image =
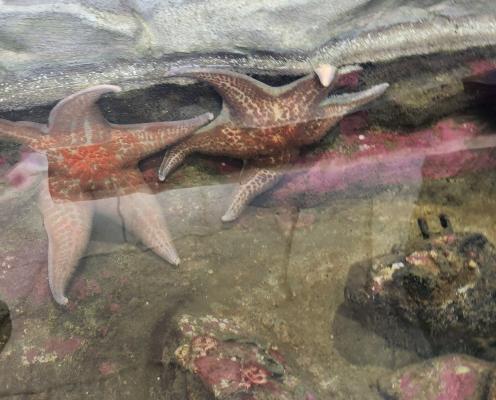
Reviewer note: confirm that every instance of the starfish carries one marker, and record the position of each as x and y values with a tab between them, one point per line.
265	125
91	165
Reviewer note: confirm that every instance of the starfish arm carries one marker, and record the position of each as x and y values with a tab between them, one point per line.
173	158
148	138
21	132
339	106
78	113
142	216
68	226
242	95
260	181
311	89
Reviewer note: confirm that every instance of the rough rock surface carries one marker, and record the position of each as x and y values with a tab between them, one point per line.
49	49
48	32
230	361
440	288
452	377
281	271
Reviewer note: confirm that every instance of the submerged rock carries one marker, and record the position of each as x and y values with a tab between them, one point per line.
441	287
232	366
452	377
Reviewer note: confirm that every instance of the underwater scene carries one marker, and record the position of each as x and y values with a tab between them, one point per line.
232	200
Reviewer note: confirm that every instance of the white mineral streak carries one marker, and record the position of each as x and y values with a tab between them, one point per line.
429	37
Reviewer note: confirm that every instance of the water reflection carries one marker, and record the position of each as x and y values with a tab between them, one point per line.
277	273
86	164
266	126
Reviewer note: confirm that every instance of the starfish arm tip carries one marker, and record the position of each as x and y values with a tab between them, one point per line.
382	87
326	74
60	299
228	216
172	258
161	175
203	118
107	88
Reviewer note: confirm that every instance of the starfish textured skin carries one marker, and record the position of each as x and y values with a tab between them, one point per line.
265	125
92	166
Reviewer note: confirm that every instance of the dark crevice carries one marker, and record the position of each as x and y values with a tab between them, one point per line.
445	222
5	325
424	228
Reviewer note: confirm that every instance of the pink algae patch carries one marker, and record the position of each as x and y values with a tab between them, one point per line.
481	66
58	348
349	80
107	368
354	124
456	384
213	370
63	347
409	388
86	287
115	308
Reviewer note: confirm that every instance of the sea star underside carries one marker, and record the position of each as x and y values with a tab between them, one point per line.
90	162
265	125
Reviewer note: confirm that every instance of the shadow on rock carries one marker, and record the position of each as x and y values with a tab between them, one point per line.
5	325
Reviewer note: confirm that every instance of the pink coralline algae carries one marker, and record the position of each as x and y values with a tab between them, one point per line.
233	367
451	377
53	349
364	159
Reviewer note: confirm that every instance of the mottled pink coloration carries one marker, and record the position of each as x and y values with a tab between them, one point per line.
450	377
53	347
63	347
107	368
456	385
86	287
114	307
24	274
373	159
481	66
214	370
409	388
354	124
254	374
349	80
231	366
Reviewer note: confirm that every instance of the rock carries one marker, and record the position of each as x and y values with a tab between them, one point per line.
231	365
439	288
59	49
452	377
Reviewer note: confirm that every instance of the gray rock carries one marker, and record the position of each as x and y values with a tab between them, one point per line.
49	49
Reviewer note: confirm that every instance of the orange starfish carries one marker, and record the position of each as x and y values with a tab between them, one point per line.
92	165
265	125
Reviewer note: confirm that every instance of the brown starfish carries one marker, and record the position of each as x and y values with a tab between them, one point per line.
265	125
92	166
